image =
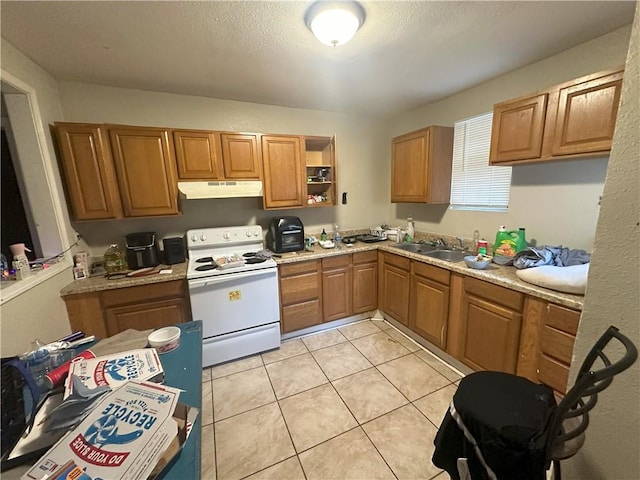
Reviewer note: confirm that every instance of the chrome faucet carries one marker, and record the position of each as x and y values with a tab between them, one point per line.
441	243
461	242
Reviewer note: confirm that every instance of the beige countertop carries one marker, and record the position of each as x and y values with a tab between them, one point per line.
496	274
100	283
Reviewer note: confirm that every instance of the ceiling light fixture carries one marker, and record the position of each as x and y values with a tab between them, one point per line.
334	23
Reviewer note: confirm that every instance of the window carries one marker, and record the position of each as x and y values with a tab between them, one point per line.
474	184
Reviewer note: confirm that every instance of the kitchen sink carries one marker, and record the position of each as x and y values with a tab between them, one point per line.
447	255
415	247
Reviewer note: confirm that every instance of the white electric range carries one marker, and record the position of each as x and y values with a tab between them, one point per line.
233	288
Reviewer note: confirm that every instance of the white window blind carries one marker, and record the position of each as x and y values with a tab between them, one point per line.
474	184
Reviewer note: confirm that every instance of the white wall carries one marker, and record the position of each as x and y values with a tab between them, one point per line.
361	157
613	296
38	312
556	202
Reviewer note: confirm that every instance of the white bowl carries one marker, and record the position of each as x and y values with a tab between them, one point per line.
165	340
471	262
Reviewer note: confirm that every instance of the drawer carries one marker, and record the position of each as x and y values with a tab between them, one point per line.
431	272
338	261
365	257
290	269
143	293
301	315
300	288
397	261
494	293
553	373
562	318
557	344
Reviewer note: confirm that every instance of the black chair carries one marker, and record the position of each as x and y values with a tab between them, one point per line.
501	426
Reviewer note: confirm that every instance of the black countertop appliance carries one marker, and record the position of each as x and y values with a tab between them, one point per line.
142	250
285	234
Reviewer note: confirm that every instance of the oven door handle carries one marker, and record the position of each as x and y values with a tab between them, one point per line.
204	282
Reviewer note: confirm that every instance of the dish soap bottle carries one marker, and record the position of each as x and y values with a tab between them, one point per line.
114	260
323	236
410	230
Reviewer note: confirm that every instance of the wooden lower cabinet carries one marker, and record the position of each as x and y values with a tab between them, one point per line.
300	295
491	319
349	285
365	281
394	286
546	346
108	312
336	287
317	291
429	309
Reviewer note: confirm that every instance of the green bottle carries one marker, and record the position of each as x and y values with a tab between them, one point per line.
323	236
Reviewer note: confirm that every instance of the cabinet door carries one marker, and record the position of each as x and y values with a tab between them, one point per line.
241	156
89	173
395	299
491	335
143	316
198	155
283	161
365	287
146	170
409	167
429	309
518	128
336	293
586	116
421	166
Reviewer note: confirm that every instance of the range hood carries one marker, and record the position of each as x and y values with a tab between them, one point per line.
220	189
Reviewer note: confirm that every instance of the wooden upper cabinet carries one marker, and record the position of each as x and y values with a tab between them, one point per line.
586	118
577	122
283	161
241	156
421	166
89	173
198	155
145	168
517	129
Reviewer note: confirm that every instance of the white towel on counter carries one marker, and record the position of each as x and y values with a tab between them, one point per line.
571	279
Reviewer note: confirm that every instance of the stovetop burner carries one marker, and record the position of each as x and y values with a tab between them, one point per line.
205	260
249	254
209	266
254	259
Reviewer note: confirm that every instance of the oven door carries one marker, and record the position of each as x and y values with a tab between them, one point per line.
233	302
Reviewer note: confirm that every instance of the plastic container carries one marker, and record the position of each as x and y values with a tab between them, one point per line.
410	233
114	260
165	340
482	247
507	242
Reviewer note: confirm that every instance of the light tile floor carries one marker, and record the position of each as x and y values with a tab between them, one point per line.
362	401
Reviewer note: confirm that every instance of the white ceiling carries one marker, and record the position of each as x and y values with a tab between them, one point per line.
406	55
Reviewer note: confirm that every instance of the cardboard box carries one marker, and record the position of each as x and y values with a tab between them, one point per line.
134	433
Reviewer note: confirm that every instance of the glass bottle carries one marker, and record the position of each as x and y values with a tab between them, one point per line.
114	260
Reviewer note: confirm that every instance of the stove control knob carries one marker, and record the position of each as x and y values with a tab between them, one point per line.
256	233
194	238
248	233
226	235
203	237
